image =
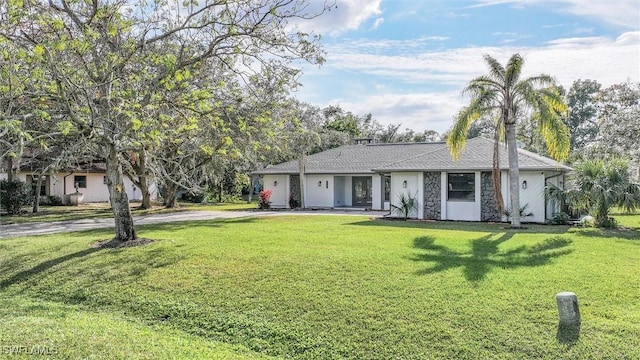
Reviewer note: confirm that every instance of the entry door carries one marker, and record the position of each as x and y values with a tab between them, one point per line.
361	189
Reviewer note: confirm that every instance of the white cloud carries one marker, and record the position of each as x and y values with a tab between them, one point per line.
623	13
344	16
376	24
608	61
604	59
417	111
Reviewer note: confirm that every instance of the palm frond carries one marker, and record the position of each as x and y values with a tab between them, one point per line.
496	70
480	105
513	70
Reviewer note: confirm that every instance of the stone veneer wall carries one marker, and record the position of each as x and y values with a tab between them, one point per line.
432	196
489	209
294	188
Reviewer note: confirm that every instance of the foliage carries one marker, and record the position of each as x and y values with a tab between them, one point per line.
597	186
506	98
301	287
194	197
144	85
522	212
54	200
560	218
620	123
14	195
582	120
265	199
406	205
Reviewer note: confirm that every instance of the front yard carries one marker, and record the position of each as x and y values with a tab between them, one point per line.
324	287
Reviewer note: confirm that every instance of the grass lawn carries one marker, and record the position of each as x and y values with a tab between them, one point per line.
103	210
323	287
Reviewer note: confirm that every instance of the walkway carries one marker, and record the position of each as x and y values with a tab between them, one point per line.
43	228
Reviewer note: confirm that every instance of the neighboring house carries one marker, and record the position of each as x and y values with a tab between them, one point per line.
375	176
89	178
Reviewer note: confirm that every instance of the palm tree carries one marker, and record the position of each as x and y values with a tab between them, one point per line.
506	98
598	185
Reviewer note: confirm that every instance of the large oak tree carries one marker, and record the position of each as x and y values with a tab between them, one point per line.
104	65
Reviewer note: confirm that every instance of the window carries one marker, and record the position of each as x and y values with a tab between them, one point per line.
462	187
80	181
34	183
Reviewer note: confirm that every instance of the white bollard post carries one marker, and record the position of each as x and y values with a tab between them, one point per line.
568	310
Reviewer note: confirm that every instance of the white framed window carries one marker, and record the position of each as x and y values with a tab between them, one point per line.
462	186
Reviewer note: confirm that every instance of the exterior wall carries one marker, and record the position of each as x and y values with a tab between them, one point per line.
279	185
62	184
413	189
533	196
432	196
458	209
489	209
376	192
319	191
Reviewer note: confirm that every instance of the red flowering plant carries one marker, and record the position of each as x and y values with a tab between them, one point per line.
265	199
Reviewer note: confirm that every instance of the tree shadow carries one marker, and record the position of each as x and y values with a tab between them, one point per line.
627	234
472	226
44	266
485	255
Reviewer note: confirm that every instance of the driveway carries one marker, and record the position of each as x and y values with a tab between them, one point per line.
14	230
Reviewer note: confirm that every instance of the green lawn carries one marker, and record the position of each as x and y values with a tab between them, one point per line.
324	287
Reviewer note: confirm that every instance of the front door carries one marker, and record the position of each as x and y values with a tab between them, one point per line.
361	190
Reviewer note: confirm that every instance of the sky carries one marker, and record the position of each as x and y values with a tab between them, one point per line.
407	61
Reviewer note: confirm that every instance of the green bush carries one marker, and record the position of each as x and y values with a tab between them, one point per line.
14	195
54	200
560	218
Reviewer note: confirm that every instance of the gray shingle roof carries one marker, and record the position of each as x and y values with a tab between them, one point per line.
359	159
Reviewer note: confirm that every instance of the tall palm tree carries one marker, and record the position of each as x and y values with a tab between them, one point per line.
504	96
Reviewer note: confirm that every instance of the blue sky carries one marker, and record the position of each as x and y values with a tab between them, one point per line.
406	61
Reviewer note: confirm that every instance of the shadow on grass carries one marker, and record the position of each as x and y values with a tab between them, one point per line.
568	334
44	266
626	234
485	255
191	224
464	226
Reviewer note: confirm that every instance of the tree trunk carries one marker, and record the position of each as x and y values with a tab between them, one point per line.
252	184
146	194
10	173
170	195
514	175
302	182
36	195
118	198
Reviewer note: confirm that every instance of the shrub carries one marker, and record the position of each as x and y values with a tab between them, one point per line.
54	200
523	211
265	199
14	195
597	186
193	197
560	218
406	204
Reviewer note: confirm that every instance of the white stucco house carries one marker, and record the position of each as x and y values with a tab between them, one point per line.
89	177
374	176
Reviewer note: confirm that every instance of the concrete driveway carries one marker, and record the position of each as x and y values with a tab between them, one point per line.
14	230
